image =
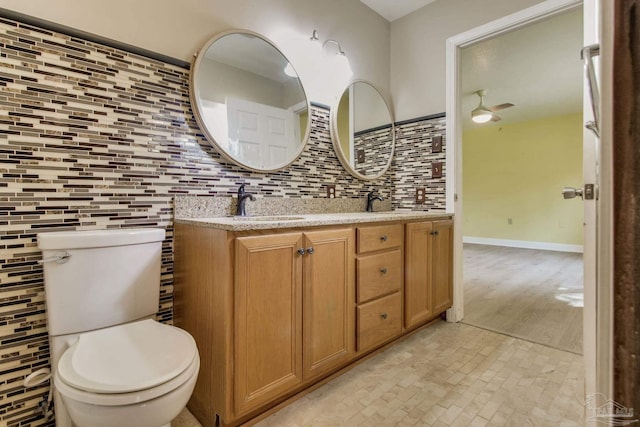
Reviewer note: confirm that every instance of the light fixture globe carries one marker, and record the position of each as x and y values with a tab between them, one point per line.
481	114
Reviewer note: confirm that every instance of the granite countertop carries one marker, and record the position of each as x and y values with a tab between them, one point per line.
234	223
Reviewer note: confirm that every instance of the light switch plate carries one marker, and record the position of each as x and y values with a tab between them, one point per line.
436	144
331	191
436	170
420	195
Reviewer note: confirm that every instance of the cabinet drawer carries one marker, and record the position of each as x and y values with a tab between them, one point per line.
379	237
378	274
378	321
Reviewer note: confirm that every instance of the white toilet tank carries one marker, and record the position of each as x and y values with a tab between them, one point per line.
109	277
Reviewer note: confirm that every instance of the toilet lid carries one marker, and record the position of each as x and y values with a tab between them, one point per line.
127	358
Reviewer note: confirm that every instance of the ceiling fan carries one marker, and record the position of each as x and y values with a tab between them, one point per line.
482	113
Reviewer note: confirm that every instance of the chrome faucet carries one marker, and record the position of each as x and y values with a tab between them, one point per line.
242	198
370	198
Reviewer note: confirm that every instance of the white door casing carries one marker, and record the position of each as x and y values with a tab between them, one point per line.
454	161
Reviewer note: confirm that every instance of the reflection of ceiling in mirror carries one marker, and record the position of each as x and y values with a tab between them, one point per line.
251	54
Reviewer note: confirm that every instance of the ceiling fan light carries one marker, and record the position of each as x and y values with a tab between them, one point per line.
480	115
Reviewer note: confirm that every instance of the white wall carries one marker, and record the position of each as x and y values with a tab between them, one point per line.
179	28
418	50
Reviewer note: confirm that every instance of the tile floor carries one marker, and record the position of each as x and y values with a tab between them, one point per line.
446	375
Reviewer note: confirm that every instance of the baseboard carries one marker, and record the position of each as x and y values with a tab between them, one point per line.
546	246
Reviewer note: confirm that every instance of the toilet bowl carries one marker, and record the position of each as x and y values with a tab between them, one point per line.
112	365
139	374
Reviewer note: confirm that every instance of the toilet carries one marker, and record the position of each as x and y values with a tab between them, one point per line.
111	363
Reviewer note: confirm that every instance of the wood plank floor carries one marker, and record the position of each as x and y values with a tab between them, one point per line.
530	294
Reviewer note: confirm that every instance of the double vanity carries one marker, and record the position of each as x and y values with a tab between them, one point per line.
278	303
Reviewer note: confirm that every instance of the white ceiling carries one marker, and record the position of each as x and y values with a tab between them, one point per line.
394	9
537	68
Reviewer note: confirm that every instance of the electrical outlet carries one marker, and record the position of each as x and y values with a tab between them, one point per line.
436	144
436	170
420	195
331	191
510	221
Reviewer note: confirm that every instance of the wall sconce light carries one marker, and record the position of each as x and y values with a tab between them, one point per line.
342	62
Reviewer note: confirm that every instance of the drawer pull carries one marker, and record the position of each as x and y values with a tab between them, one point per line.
383	270
310	250
301	251
383	238
383	316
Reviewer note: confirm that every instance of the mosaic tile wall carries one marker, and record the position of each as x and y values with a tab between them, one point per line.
411	166
376	146
92	137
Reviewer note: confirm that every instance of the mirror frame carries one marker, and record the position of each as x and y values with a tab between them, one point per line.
197	108
335	138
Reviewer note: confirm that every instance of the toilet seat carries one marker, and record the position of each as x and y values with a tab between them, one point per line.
127	364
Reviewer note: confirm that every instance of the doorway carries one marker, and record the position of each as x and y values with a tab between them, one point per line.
523	243
533	14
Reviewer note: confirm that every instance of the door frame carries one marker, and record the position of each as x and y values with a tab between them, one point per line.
508	23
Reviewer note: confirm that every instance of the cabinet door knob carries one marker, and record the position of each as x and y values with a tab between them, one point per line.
434	233
383	316
310	250
383	270
383	238
301	251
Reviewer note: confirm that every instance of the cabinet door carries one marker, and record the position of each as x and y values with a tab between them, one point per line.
442	262
418	298
329	326
267	319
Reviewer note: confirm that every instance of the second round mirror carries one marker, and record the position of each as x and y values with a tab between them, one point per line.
362	131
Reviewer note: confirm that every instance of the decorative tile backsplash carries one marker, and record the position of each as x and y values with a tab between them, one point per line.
94	137
412	164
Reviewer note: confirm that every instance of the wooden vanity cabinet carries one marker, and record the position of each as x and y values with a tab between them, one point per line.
275	311
428	284
271	312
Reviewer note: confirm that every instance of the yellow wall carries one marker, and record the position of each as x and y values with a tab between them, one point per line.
517	171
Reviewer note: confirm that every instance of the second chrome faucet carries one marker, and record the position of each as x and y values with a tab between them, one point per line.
242	198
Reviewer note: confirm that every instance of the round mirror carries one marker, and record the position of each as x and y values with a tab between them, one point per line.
362	131
249	101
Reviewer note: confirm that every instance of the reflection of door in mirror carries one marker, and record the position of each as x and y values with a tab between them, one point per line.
262	135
